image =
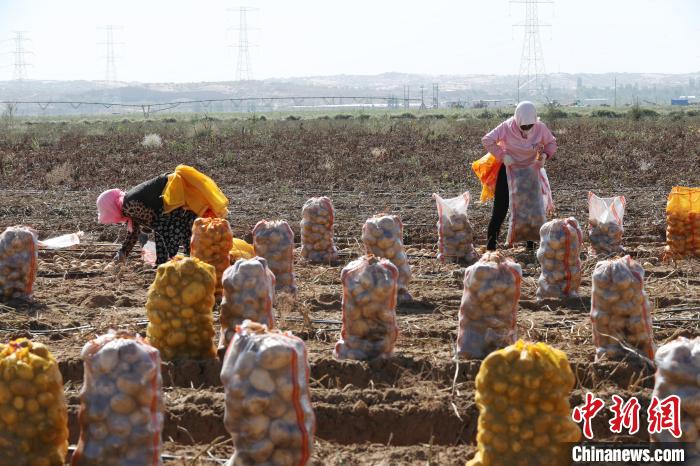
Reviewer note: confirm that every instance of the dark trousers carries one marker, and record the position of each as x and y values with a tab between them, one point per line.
500	210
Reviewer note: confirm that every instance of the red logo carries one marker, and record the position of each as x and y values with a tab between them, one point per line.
625	415
665	415
587	412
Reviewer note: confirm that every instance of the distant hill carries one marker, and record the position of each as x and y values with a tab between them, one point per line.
453	89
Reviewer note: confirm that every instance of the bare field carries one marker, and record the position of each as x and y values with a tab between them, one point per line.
406	410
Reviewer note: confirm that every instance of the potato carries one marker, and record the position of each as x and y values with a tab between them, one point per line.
527	206
487	312
33	411
211	242
369	312
455	232
620	308
180	303
18	262
249	291
116	419
677	371
559	257
388	243
518	421
260	404
317	231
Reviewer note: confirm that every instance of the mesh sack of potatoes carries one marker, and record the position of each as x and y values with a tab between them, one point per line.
605	223
121	403
317	231
559	256
529	200
620	309
678	373
522	392
18	259
683	223
274	240
33	411
249	291
265	374
369	309
382	236
211	242
455	232
179	308
240	250
489	306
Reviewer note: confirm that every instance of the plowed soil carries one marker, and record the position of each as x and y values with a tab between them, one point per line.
415	408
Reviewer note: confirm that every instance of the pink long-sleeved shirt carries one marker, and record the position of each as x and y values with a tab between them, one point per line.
506	139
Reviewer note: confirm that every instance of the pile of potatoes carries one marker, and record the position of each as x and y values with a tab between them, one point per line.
487	314
211	242
33	411
121	403
179	308
527	207
522	392
274	240
620	309
455	232
605	237
249	291
369	309
678	373
268	407
18	259
682	235
382	236
559	256
683	222
317	244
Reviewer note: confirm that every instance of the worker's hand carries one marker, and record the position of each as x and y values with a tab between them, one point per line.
143	238
541	160
508	160
120	257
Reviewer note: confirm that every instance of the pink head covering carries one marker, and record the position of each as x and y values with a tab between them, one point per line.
109	208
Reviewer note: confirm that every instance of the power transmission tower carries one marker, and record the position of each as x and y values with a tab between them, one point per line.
436	95
532	79
244	69
110	57
406	96
422	97
20	70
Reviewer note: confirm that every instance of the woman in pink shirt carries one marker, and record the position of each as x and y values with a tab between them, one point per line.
516	142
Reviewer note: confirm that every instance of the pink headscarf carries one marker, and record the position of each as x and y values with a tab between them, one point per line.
109	208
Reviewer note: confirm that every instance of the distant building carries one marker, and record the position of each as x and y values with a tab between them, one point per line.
679	102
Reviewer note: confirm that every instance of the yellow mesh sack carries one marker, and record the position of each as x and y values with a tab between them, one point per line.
179	309
522	392
486	169
195	191
33	411
211	242
241	250
683	222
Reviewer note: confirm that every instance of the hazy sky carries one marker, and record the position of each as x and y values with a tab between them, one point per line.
178	41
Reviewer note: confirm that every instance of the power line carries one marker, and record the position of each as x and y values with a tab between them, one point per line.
20	70
244	68
110	57
532	77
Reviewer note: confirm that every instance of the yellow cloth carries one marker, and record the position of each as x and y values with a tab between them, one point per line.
194	191
241	250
